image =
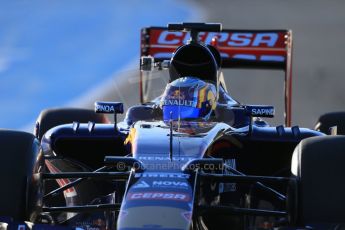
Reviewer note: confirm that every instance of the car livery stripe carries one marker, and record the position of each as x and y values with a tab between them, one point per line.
71	192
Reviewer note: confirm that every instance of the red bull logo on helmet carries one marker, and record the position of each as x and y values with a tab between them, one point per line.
179	96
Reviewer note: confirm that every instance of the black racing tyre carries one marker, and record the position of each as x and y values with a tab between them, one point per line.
19	151
318	164
50	118
329	120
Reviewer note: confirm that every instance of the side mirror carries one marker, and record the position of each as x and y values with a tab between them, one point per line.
260	110
108	107
147	63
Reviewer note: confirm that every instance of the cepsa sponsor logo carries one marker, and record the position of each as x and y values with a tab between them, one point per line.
161	175
158	196
227	39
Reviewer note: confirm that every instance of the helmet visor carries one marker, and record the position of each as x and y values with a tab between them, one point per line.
182	112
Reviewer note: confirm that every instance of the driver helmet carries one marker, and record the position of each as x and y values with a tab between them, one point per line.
188	98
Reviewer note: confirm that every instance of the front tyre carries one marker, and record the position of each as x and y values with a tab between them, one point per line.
20	158
318	165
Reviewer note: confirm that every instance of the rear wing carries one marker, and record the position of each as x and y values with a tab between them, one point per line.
265	49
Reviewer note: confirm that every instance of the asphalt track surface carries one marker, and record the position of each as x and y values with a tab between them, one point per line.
318	57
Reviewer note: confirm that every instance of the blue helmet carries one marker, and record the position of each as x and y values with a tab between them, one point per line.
188	98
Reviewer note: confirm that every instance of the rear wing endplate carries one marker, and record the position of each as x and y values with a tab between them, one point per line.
265	49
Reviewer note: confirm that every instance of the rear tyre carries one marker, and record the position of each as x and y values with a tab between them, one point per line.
50	118
318	164
19	151
329	120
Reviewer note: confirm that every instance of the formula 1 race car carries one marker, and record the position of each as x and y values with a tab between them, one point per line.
187	157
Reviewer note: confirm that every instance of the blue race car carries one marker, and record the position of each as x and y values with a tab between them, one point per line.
187	157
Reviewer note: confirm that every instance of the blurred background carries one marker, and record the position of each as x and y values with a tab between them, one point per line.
68	53
318	28
71	53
